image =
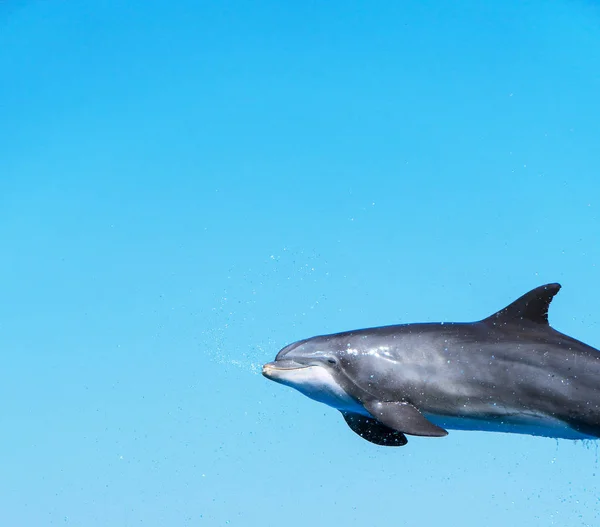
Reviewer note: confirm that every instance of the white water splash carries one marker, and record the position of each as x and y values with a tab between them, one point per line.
253	318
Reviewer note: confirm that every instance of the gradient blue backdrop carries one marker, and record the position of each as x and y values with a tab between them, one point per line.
185	187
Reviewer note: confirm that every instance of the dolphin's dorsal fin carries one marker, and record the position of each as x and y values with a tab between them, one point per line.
532	306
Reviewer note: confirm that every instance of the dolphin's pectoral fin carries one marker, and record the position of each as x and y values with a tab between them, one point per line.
404	417
373	431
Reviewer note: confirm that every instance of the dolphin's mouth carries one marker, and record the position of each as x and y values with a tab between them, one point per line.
272	368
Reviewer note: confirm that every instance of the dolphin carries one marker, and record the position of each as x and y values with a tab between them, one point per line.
510	372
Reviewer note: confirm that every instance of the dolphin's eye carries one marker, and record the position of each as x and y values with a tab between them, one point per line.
331	361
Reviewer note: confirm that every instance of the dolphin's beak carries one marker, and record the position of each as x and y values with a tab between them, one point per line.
271	369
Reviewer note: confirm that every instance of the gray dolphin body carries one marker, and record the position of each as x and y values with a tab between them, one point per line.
510	372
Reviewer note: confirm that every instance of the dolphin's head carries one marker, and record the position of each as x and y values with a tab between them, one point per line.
313	368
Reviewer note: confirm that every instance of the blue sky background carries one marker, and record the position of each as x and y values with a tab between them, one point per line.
185	188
